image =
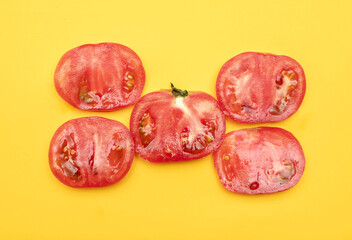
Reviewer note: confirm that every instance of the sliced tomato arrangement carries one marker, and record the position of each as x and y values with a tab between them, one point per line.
100	77
256	87
176	125
91	152
259	160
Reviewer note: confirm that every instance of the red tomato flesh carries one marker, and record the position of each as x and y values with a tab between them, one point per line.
259	160
166	128
100	77
257	87
91	152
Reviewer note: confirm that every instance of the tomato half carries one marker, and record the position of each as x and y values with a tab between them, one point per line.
259	160
91	152
257	87
100	77
176	125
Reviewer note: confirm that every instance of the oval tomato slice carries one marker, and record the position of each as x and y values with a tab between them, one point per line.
259	160
256	87
176	125
100	77
91	152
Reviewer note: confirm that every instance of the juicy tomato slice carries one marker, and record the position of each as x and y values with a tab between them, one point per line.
257	87
259	160
100	77
91	152
169	128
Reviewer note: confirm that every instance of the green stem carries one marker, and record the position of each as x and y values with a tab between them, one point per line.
178	92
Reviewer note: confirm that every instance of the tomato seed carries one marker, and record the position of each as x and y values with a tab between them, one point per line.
254	186
128	82
209	139
128	76
275	110
279	80
88	100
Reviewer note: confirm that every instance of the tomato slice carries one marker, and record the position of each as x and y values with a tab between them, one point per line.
100	77
91	152
257	87
259	160
176	125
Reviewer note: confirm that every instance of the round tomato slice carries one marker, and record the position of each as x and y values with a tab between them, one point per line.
100	77
257	87
259	160
91	152
176	125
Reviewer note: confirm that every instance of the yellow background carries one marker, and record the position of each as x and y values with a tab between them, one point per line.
184	42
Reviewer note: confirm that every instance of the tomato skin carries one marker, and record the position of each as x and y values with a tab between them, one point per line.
91	152
255	87
169	129
259	160
100	77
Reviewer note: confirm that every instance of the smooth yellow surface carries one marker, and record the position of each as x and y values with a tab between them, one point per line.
184	42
